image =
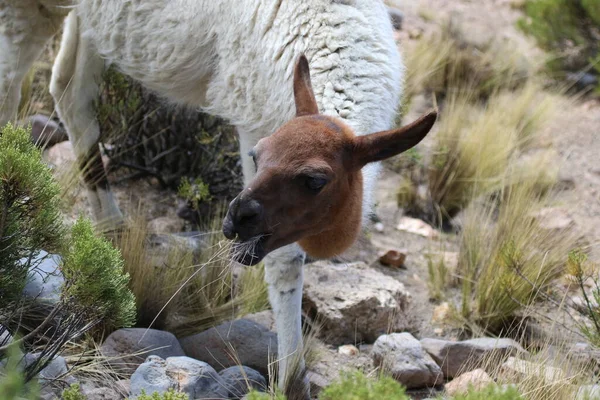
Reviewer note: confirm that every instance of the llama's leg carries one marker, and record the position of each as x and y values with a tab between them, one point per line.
75	76
24	30
284	277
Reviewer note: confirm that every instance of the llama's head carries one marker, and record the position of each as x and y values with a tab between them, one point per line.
308	185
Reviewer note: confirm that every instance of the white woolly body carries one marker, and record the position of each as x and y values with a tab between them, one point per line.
235	58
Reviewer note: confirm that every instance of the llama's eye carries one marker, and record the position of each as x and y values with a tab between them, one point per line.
315	183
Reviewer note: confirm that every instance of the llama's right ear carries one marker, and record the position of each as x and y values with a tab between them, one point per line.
303	93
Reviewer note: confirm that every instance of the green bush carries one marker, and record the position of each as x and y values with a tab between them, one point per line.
29	210
357	386
492	392
95	292
93	270
73	392
169	395
254	395
567	28
12	381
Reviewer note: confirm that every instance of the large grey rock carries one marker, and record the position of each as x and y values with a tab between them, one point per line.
44	131
53	378
239	380
44	279
183	374
265	318
458	357
404	357
353	302
128	348
232	343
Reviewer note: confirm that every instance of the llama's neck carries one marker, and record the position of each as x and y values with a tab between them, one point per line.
345	225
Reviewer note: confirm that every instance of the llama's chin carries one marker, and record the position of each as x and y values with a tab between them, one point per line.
250	252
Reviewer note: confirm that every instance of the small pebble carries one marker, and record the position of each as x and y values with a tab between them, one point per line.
348	350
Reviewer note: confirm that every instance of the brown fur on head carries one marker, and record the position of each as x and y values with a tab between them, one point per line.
308	186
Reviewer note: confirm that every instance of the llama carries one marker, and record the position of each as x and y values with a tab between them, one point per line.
236	59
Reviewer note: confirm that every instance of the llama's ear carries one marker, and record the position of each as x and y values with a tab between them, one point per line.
381	145
303	93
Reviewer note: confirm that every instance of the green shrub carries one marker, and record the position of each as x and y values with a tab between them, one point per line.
567	28
95	281
357	386
29	210
73	392
492	392
95	292
13	385
254	395
169	395
580	269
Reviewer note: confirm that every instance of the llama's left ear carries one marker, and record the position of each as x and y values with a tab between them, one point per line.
381	145
303	93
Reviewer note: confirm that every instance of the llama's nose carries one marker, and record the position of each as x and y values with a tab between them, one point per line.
242	218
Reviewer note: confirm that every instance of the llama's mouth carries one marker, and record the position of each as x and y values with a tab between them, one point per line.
249	252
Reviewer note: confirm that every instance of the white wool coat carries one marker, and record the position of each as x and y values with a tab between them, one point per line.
235	58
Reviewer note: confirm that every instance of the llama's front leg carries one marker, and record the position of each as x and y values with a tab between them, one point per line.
284	276
75	76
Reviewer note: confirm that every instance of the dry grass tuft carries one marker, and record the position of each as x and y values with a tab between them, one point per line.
446	61
183	289
507	258
475	147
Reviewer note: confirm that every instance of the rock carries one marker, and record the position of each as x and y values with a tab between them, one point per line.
456	357
265	318
582	81
165	224
317	382
195	378
417	226
127	348
393	258
554	219
352	301
44	280
161	248
239	380
252	343
588	392
514	368
476	379
403	356
441	313
44	131
348	350
123	386
102	393
397	18
53	378
566	180
60	155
